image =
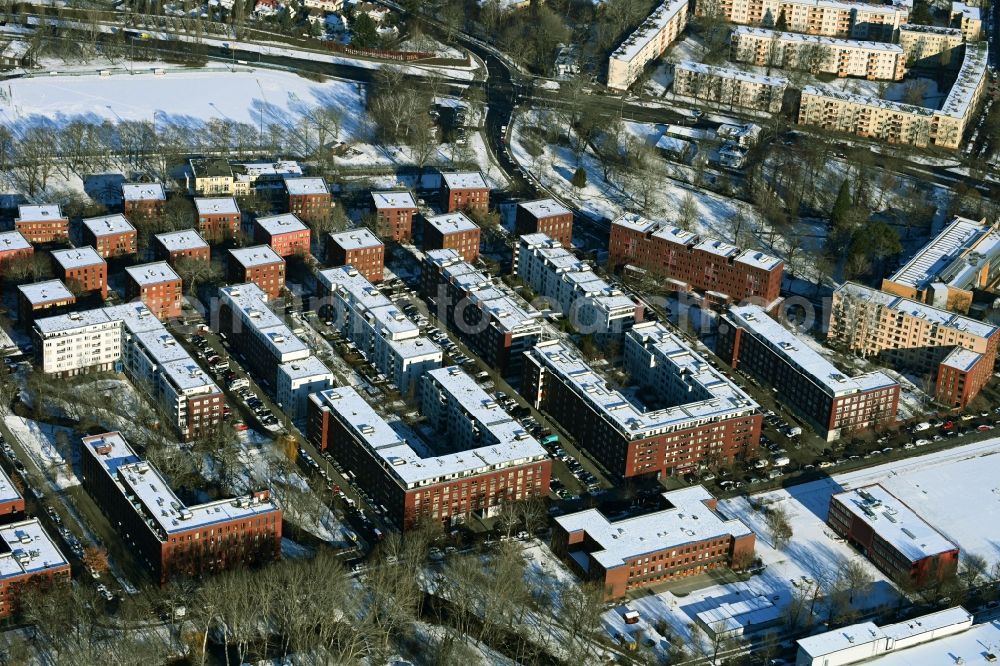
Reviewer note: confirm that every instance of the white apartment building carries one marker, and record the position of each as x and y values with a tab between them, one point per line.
930	43
832	18
876	61
729	87
591	304
297	380
647	43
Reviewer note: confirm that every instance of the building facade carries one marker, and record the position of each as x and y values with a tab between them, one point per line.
82	270
930	45
359	248
260	265
42	224
157	286
647	43
464	190
218	218
394	211
187	245
111	235
729	87
545	216
143	201
452	231
28	558
285	234
309	199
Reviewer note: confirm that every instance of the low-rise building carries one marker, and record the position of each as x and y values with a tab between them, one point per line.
219	218
308	198
729	87
359	248
29	558
700	417
901	544
325	5
285	234
833	403
687	538
464	190
14	246
487	319
647	43
156	285
175	246
211	176
930	44
260	265
42	223
143	201
394	211
452	231
174	539
588	302
111	235
545	216
479	457
42	299
82	270
968	19
296	381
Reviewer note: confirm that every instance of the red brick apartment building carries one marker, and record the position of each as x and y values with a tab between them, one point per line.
82	270
285	234
13	246
717	424
176	245
308	198
359	248
452	231
156	285
110	235
411	486
42	299
260	265
42	224
11	501
28	557
172	539
218	218
394	211
834	403
465	190
892	536
143	201
721	271
545	216
685	539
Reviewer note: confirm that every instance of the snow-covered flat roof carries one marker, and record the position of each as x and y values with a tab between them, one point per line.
107	225
970	79
464	180
216	206
649	29
930	29
932	259
393	199
504	311
154	273
250	303
77	257
304	369
769	34
546	207
285	223
894	522
420	347
356	239
305	186
801	356
28	549
258	169
143	192
688	520
450	223
187	376
356	286
39	213
829	92
175	241
46	292
13	240
258	255
731	73
968	12
961	359
8	493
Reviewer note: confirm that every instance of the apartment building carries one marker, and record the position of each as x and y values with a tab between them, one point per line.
42	299
285	234
894	122
173	539
464	190
687	538
647	43
130	338
268	175
545	216
157	286
875	61
359	248
11	501
968	19
42	223
366	317
700	417
260	265
174	246
487	319
82	270
722	272
219	218
729	87
394	211
831	18
296	381
111	235
903	333
588	302
452	231
930	45
143	201
479	460
29	559
308	199
14	246
900	543
832	402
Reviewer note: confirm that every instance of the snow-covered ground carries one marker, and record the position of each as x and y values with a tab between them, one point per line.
40	442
